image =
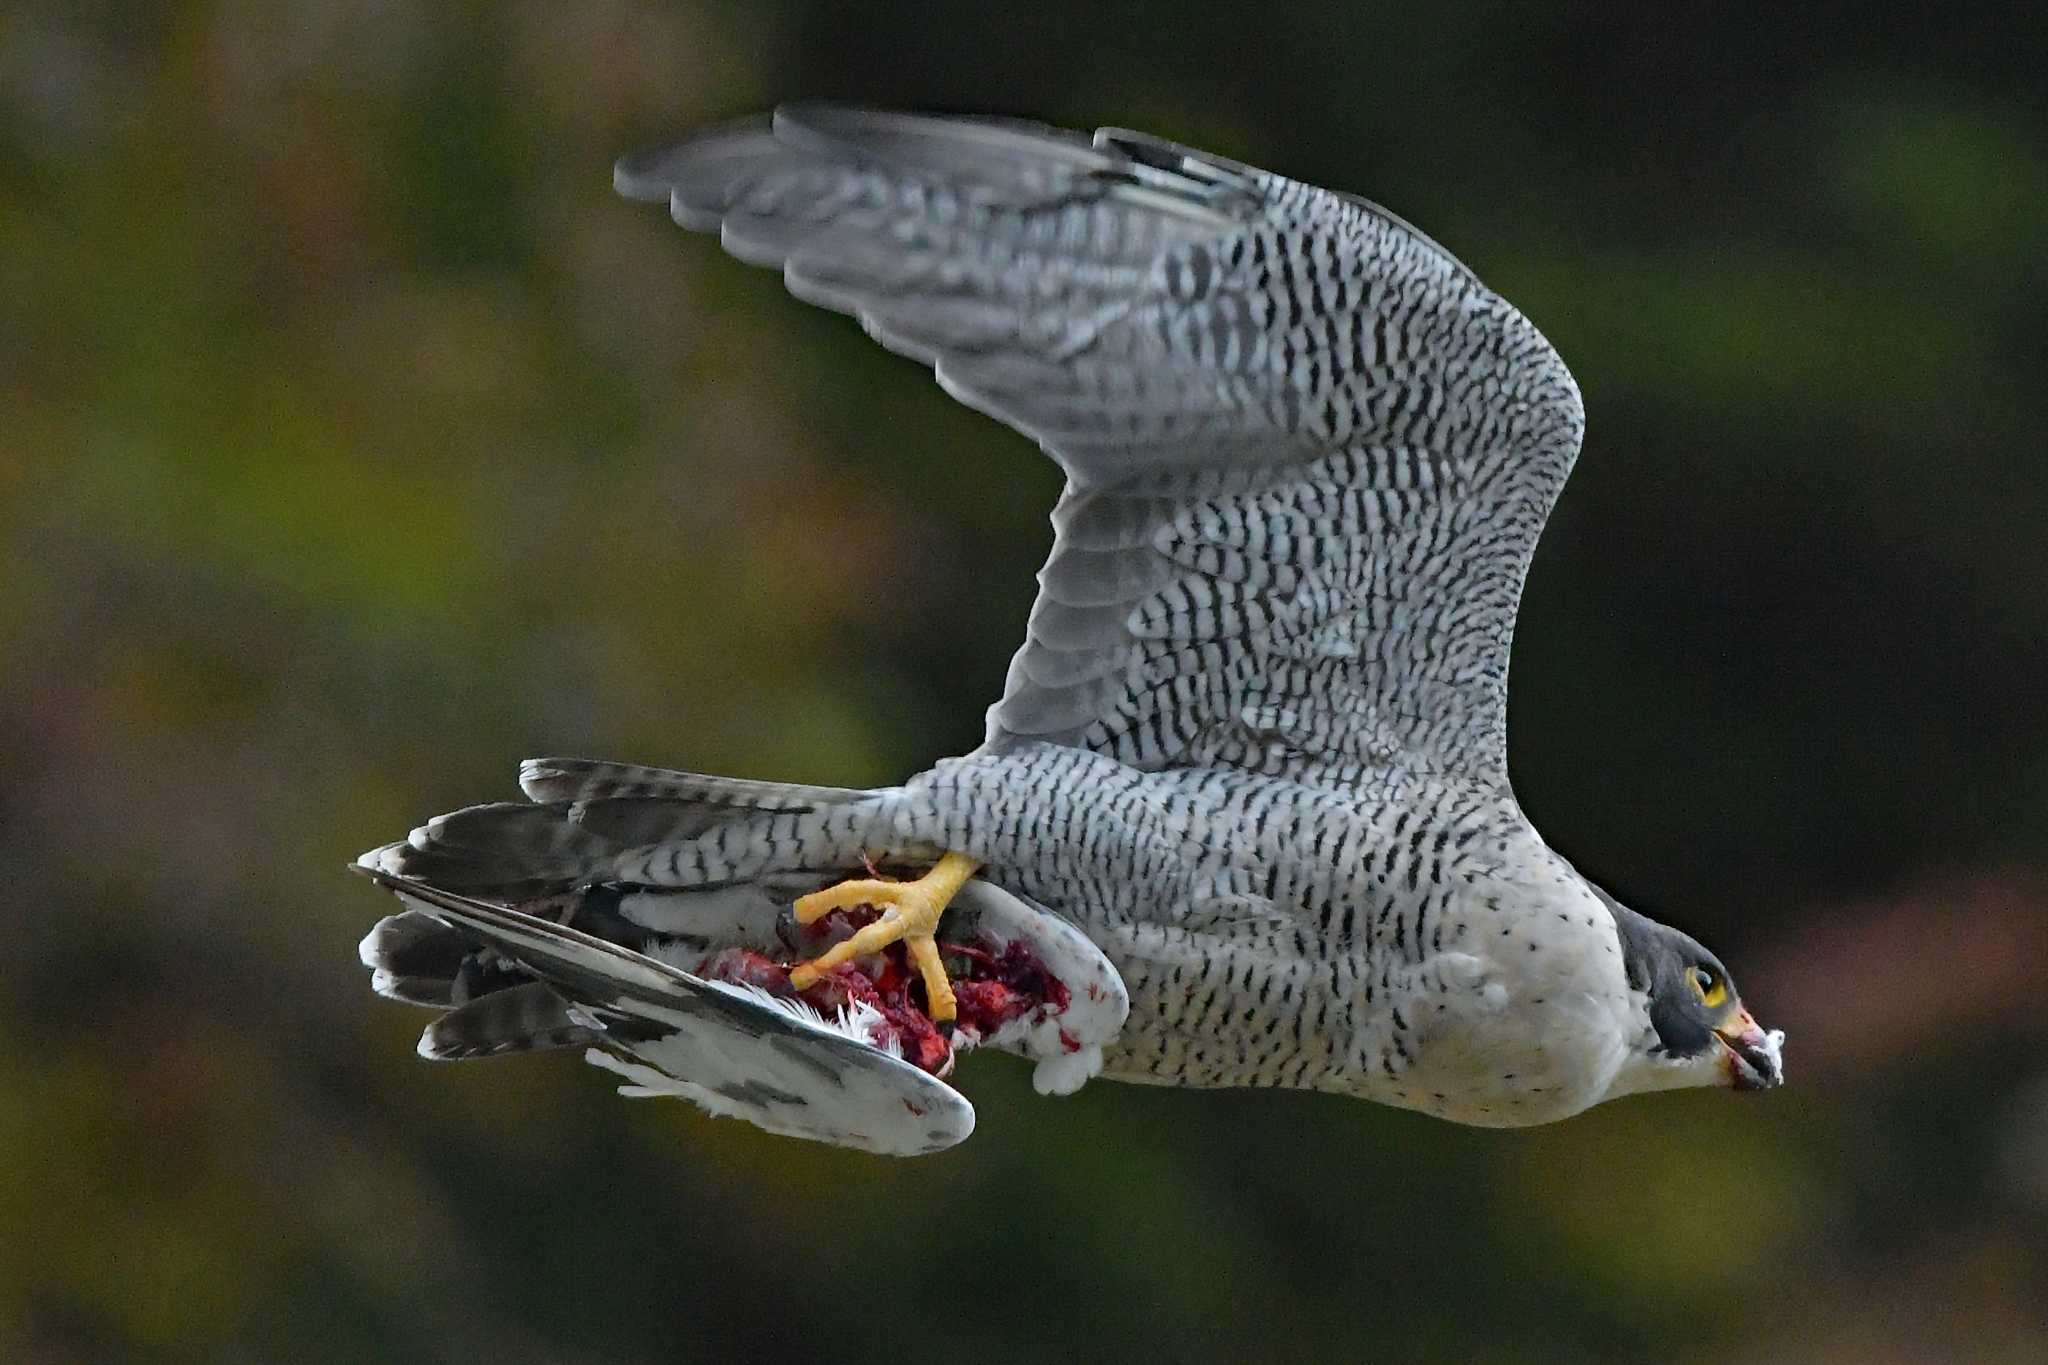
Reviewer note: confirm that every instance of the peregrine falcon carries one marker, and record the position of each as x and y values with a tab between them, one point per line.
1242	816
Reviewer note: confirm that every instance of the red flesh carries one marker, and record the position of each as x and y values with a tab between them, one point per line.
998	988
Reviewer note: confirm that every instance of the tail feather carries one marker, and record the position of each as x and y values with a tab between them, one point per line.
589	822
414	958
525	861
418	960
580	779
525	1018
573	831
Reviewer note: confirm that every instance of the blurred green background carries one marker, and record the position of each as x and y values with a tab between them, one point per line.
355	442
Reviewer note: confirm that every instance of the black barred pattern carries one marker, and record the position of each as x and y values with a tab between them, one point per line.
1254	742
1281	932
1287	931
1309	453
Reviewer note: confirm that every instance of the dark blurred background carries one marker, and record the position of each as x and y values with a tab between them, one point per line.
355	442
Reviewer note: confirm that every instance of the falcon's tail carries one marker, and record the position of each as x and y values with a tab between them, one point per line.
591	822
581	779
648	859
646	916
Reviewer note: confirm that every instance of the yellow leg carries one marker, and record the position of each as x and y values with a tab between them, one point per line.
910	912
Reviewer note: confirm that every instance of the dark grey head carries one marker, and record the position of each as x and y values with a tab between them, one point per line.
1696	1015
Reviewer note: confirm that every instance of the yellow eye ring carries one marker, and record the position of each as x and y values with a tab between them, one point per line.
1708	986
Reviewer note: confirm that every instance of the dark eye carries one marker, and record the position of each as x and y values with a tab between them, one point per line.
1707	984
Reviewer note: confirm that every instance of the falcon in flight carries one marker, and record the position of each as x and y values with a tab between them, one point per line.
1242	816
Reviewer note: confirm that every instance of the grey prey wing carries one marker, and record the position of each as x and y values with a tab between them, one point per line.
730	1050
1308	454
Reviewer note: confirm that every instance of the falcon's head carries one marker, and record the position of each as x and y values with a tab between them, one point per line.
1698	1032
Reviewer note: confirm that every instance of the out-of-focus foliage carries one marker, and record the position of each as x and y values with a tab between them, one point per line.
356	442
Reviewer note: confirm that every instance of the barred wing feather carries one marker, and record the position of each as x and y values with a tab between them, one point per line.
1308	454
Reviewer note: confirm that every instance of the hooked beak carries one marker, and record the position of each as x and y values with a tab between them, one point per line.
1752	1059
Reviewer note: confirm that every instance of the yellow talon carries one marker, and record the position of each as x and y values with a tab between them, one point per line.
910	913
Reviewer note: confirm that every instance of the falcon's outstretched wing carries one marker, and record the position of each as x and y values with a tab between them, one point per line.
1308	453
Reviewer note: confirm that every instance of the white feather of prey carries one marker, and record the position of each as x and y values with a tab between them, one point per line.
856	1021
